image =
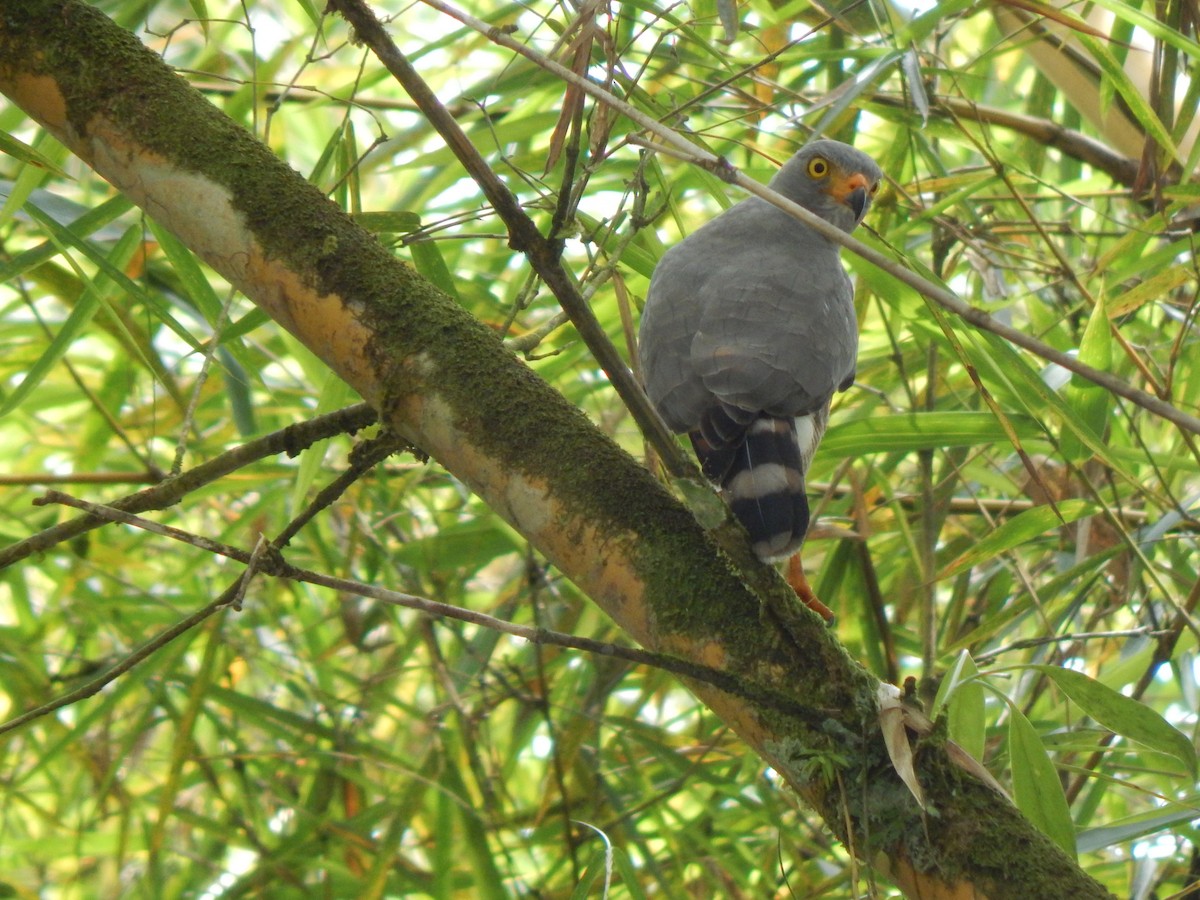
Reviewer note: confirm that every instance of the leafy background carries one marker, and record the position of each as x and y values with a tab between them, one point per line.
989	525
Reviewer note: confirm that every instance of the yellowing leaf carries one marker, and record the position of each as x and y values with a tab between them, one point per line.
1149	290
1018	530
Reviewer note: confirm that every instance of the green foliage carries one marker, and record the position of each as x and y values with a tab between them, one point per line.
1023	534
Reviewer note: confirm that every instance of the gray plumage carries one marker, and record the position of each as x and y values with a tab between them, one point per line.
749	330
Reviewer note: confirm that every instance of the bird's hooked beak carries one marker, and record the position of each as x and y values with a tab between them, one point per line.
855	192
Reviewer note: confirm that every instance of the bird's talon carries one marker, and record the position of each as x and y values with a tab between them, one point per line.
799	583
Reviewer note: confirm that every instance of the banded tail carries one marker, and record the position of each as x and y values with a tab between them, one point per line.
759	462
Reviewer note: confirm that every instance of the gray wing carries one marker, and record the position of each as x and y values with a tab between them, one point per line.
670	320
778	332
752	310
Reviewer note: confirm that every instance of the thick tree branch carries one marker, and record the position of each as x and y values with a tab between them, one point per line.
444	382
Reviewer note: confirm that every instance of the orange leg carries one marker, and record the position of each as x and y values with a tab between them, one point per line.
796	578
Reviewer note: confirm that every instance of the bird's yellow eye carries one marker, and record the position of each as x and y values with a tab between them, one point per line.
875	189
818	167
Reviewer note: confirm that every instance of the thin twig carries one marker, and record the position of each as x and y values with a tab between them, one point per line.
40	478
290	440
932	292
674	664
142	653
1027	643
197	392
544	254
273	564
1075	144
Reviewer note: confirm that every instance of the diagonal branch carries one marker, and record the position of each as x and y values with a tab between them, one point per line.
937	294
543	253
290	440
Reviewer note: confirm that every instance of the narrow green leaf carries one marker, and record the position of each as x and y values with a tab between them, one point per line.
200	8
443	840
963	698
68	236
429	262
1090	401
591	874
19	150
1096	347
849	93
1148	290
237	390
1018	530
85	226
29	178
629	876
888	288
1129	92
1124	715
488	882
74	325
1036	789
1134	15
82	313
921	431
998	362
185	265
1134	827
930	19
335	393
1127	246
311	10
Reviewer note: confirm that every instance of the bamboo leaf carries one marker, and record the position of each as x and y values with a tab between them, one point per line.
72	327
1037	790
1148	291
1133	97
19	150
1018	530
428	259
1090	401
1124	715
963	698
920	431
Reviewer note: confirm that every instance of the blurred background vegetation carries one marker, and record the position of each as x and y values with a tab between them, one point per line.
986	520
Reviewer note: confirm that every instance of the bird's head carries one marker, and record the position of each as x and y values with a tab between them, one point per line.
831	179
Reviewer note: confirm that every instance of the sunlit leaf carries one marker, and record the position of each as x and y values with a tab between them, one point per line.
1124	715
919	431
1037	790
1020	529
963	699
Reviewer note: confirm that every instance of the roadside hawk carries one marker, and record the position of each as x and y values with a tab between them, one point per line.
749	330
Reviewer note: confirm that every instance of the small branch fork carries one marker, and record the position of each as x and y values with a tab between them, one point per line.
290	440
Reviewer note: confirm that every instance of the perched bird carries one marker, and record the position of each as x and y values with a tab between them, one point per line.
748	331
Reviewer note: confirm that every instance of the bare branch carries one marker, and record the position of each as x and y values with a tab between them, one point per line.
932	292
